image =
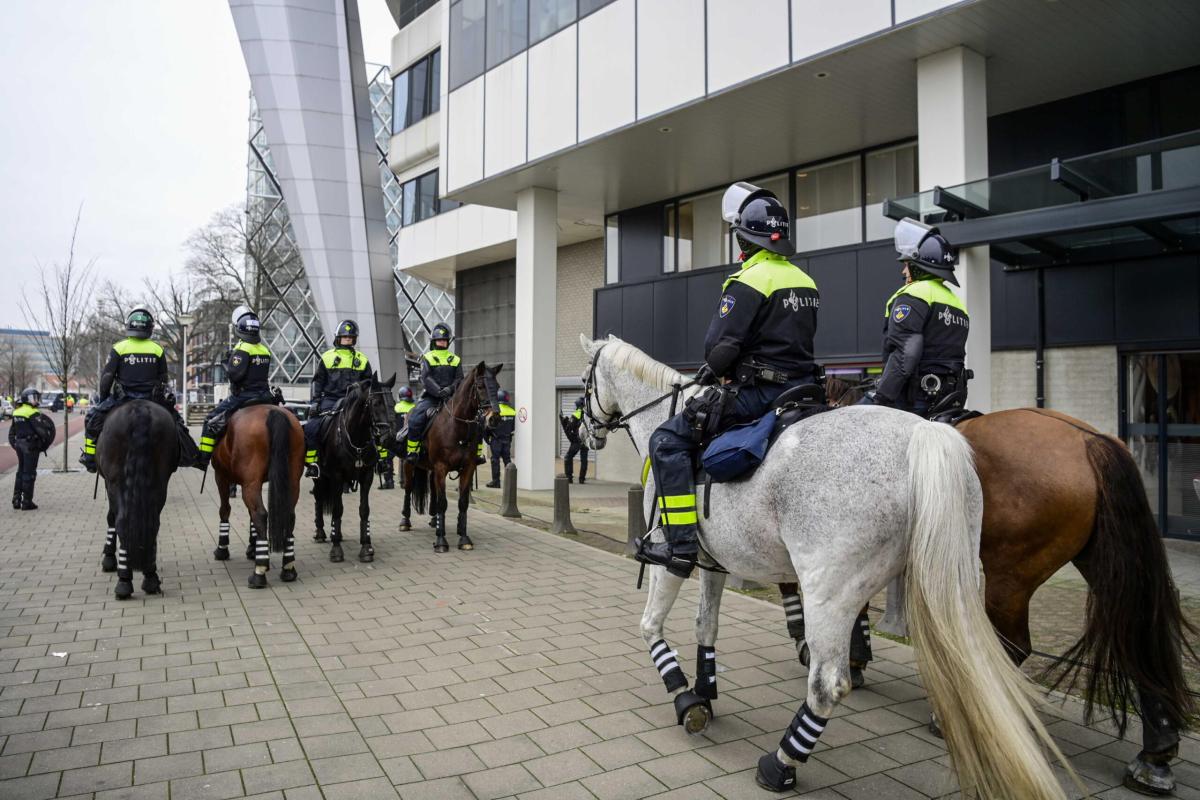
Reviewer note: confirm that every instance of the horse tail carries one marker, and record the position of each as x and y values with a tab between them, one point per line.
139	509
420	489
1134	630
281	514
984	704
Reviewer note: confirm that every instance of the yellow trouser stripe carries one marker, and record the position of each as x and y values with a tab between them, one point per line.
206	444
677	501
679	517
413	446
645	471
481	448
89	446
310	457
383	453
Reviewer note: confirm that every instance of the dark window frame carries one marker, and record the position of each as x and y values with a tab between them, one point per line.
428	67
436	204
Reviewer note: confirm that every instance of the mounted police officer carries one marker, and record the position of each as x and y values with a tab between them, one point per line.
500	439
759	343
136	370
340	366
31	433
575	444
404	404
925	326
441	373
248	367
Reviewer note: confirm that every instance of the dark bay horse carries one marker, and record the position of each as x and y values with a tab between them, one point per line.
264	444
452	441
136	454
349	449
1056	490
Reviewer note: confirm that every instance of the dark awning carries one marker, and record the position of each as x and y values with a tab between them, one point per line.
1131	202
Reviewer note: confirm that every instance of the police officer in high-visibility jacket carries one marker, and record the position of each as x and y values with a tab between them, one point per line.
404	404
760	341
136	370
248	367
925	326
441	373
340	366
576	444
30	434
500	439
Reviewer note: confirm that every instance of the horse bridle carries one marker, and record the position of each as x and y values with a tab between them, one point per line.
622	421
344	432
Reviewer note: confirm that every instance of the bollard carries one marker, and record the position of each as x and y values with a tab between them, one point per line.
636	519
508	492
562	507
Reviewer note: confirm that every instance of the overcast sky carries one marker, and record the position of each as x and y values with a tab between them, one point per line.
135	108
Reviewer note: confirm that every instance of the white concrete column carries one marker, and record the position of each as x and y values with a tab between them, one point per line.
536	438
953	149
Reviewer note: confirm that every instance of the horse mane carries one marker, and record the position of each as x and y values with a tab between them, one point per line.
629	358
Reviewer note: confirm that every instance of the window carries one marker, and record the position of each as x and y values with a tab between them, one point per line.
416	92
419	199
466	41
549	16
507	29
696	235
588	6
612	254
411	9
891	172
828	209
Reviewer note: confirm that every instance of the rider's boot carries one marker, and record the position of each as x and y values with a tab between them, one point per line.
413	451
202	459
27	503
88	457
311	469
682	546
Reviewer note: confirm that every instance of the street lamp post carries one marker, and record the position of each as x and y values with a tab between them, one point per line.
184	320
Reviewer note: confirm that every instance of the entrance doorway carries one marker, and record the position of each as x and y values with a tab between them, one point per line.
1160	421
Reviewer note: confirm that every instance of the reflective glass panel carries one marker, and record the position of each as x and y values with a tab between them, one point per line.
890	173
507	29
418	82
409	206
612	256
828	209
548	16
588	6
466	41
427	195
669	237
435	81
400	102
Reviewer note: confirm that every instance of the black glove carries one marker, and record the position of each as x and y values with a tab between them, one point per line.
313	408
705	376
446	392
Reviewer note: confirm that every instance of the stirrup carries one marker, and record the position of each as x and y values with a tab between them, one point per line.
312	470
680	566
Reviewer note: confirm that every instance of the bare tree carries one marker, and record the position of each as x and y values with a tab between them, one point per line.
225	258
170	299
15	370
60	305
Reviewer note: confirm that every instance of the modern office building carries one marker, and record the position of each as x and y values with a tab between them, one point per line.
1057	142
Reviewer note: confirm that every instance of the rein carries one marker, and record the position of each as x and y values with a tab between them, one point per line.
589	391
344	433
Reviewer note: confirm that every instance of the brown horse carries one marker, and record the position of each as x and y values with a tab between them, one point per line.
262	444
1056	490
452	442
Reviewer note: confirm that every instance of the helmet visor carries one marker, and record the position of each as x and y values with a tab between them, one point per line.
909	235
735	197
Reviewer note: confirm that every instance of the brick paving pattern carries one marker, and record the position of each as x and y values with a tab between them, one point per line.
513	670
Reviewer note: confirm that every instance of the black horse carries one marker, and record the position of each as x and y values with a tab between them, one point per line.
136	454
349	445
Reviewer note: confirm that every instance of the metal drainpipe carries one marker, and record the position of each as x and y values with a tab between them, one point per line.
1040	347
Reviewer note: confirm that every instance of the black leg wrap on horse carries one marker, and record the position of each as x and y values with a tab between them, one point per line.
860	640
802	734
793	609
706	672
668	667
775	775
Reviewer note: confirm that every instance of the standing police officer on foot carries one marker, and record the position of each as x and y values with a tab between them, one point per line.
925	326
500	439
136	370
760	342
31	433
248	367
340	366
577	444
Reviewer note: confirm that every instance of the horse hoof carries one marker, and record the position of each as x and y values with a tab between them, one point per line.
692	711
366	555
124	590
934	729
405	525
465	543
288	574
803	654
151	584
319	536
108	563
1143	777
336	555
257	581
857	678
440	545
773	775
250	552
221	554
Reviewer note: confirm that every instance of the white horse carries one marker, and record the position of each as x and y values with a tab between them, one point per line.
845	502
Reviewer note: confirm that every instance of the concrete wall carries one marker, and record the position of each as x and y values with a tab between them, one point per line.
580	271
1080	381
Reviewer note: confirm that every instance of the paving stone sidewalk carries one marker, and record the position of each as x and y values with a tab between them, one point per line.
513	670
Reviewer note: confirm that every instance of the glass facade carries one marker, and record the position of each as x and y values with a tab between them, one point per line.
416	92
466	41
828	210
507	29
549	16
411	9
891	172
612	251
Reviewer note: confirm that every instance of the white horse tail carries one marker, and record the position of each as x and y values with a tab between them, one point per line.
983	703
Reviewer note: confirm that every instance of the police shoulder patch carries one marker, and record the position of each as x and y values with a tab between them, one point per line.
727	304
901	312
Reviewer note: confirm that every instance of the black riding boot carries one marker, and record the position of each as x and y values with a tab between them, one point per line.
16	497
27	503
679	524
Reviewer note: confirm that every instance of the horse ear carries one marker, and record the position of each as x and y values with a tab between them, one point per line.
496	369
586	344
391	381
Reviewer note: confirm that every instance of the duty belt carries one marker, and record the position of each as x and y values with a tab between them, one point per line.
758	373
933	383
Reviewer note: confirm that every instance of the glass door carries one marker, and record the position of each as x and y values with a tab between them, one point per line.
1161	424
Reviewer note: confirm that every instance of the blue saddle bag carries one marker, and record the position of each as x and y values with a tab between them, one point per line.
738	450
